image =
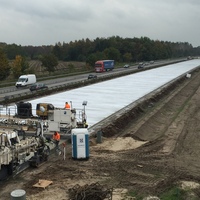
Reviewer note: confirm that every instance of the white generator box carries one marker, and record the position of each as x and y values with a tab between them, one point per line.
61	120
53	126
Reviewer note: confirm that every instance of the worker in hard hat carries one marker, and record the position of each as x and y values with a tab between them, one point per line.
56	139
67	105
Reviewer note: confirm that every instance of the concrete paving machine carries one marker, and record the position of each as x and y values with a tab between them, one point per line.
63	120
18	152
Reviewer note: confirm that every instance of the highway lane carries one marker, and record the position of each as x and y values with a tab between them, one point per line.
12	90
108	97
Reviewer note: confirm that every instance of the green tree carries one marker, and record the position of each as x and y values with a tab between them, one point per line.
20	66
127	57
57	51
91	59
49	61
12	50
100	56
4	66
112	54
16	67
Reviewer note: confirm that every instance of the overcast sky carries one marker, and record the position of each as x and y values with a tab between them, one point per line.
46	22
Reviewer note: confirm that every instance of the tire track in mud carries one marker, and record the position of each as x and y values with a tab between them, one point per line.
151	173
137	173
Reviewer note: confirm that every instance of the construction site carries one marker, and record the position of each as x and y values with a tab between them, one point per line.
147	152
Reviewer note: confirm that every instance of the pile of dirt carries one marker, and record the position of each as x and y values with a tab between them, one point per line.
119	144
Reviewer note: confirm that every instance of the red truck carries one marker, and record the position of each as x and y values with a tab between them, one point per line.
104	65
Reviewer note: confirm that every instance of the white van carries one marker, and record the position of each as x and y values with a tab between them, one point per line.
25	80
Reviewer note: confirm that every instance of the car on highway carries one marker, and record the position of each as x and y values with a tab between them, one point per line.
38	86
126	66
141	65
151	62
92	76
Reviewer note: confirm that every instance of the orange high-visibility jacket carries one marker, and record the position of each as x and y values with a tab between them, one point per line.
56	137
67	106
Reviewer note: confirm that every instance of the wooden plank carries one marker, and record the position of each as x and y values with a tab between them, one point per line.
42	183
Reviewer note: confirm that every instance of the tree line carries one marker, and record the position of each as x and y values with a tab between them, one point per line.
88	51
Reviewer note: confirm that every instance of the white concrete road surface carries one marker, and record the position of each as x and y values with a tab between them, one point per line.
106	98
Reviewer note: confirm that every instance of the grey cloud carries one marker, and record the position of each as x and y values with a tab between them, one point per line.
50	21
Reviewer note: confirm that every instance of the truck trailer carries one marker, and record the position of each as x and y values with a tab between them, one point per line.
104	65
25	80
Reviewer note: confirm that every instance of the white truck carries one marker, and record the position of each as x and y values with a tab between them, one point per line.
25	80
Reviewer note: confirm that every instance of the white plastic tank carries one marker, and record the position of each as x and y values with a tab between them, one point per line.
18	194
80	143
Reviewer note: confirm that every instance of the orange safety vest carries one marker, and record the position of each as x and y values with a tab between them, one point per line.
67	106
56	137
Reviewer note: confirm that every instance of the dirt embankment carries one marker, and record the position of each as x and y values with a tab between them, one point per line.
147	154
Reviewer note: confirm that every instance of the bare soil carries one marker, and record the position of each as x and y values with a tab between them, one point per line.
155	151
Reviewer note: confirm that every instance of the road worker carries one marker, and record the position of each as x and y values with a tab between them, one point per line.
85	124
56	139
67	105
